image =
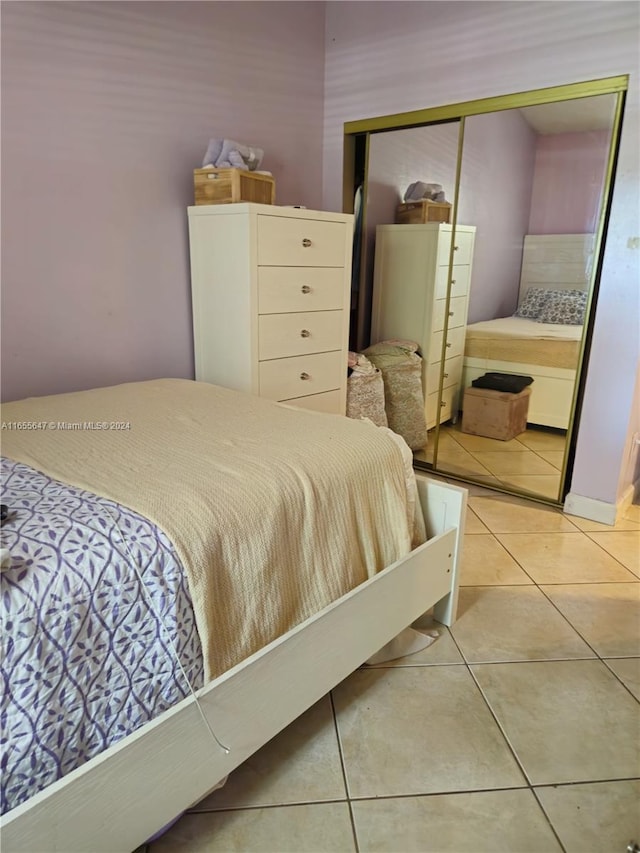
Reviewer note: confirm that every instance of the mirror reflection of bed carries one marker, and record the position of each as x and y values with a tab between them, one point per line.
541	341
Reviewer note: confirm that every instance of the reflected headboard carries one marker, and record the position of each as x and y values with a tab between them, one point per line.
556	262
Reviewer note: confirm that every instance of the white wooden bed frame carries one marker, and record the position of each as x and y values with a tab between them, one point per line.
122	797
555	262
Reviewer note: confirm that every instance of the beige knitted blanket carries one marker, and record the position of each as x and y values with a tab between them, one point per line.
274	512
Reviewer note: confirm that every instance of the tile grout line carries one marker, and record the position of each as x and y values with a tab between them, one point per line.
504	476
566	618
510	746
615	674
573	627
608	553
548	819
529	783
538	586
343	767
507	551
487	702
526	449
499	725
562	583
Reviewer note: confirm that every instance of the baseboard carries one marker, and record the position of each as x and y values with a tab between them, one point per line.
601	511
591	508
629	496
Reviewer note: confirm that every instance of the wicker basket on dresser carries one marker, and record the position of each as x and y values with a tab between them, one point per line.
270	295
411	276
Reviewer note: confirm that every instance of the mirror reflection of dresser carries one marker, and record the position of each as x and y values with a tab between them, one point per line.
411	279
529	177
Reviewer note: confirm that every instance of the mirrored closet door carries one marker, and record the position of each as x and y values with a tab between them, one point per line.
531	181
507	286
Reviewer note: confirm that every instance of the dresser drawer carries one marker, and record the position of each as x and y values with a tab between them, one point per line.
282	335
289	242
463	247
447	408
330	402
452	373
301	376
459	281
455	344
282	289
457	313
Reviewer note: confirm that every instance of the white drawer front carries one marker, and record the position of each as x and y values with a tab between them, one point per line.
463	247
448	403
452	373
459	281
330	402
457	313
302	376
282	289
455	344
300	242
281	335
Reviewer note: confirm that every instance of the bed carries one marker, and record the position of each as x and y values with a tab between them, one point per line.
547	351
312	523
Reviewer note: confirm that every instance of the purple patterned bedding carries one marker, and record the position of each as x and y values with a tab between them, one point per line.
98	634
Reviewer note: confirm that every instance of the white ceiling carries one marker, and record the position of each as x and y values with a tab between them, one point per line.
582	114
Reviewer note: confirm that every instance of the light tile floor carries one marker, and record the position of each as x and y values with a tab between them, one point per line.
531	462
518	730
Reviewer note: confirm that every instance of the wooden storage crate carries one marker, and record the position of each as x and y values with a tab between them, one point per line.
229	186
495	414
420	212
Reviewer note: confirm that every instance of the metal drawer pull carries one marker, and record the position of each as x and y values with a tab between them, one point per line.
455	248
305	288
448	344
305	333
451	313
453	281
446	375
442	404
306	243
304	376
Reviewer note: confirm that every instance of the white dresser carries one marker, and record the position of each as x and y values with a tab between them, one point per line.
270	296
411	274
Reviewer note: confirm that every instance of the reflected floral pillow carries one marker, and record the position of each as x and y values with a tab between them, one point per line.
533	303
565	308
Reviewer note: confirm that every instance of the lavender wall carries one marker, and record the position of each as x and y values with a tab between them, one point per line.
106	109
495	194
398	159
569	175
496	179
389	57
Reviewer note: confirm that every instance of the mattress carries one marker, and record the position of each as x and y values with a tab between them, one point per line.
524	341
174	504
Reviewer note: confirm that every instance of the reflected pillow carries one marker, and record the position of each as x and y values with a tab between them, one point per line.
565	308
533	303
